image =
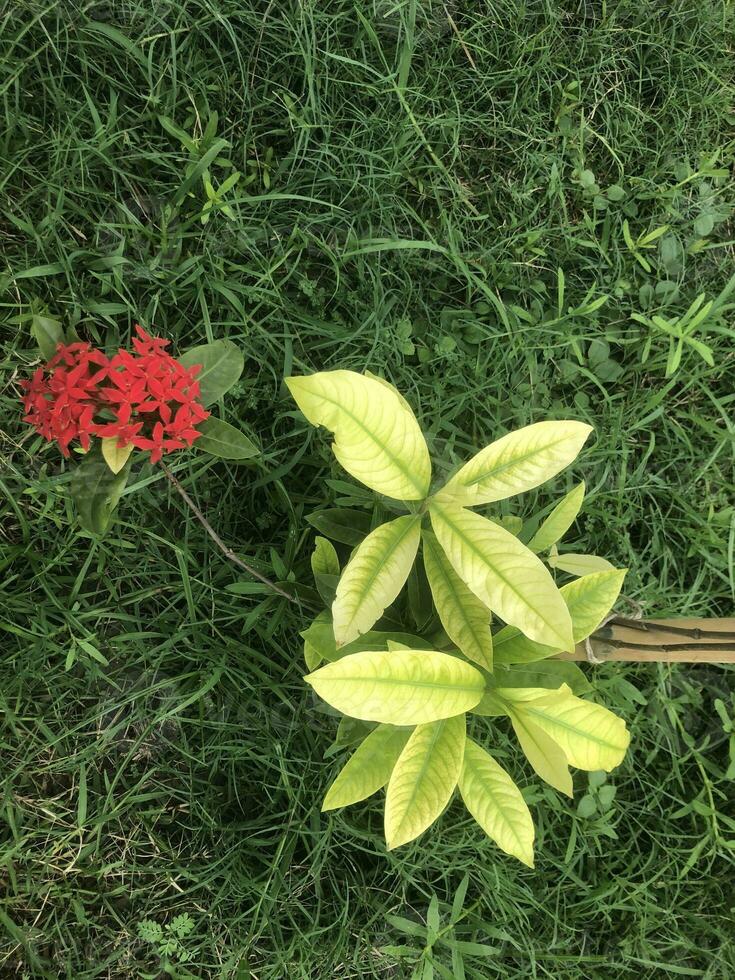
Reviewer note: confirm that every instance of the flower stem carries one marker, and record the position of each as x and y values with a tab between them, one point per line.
227	552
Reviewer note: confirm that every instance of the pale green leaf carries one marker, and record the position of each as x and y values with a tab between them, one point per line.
503	574
324	559
465	618
224	440
423	779
580	564
377	437
221	365
590	736
589	599
399	687
519	461
544	754
375	574
115	456
368	768
559	520
496	803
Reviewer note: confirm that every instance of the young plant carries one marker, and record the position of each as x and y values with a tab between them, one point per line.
104	409
415	691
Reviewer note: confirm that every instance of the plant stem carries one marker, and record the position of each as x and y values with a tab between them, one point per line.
227	552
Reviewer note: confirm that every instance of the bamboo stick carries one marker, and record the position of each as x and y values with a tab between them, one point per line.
688	641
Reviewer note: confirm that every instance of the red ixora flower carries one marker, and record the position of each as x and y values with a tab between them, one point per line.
146	398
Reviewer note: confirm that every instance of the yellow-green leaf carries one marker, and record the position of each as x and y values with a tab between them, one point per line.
465	618
580	564
115	456
496	803
377	437
399	687
589	599
324	560
374	576
368	768
544	754
423	779
503	574
559	520
519	461
590	736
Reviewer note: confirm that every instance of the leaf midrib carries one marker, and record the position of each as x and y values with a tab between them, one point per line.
455	594
394	459
514	462
386	558
570	728
476	551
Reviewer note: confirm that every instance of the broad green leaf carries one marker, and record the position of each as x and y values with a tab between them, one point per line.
423	779
559	520
590	736
399	687
48	334
580	564
544	754
221	366
496	803
224	440
341	524
312	657
503	574
368	768
377	438
465	618
589	599
375	574
115	456
326	586
519	461
545	673
324	560
96	490
320	635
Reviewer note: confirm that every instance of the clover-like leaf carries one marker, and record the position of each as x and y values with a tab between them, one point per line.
503	574
399	687
377	438
521	460
423	779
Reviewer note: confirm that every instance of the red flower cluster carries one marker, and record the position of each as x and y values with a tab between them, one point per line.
146	398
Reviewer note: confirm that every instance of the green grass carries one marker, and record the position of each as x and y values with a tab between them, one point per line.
417	174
